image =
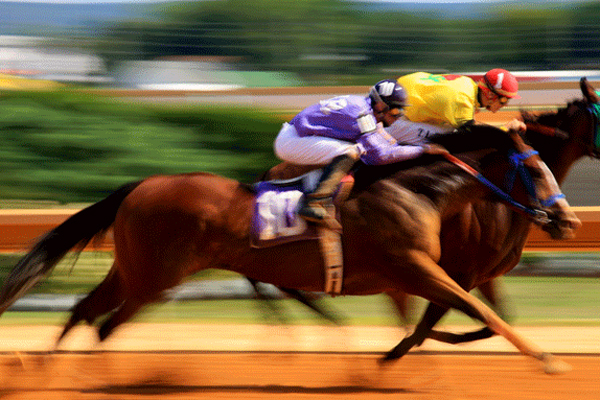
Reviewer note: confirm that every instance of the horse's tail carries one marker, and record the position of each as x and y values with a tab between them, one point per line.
77	231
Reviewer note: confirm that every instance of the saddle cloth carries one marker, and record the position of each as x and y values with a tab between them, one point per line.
275	219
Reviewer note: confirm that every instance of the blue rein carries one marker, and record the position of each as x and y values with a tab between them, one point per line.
516	159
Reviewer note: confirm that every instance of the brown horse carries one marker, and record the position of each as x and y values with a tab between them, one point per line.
491	236
168	227
486	239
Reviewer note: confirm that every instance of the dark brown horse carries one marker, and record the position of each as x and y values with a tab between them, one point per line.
168	227
486	239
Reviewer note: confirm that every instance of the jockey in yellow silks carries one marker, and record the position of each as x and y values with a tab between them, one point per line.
441	103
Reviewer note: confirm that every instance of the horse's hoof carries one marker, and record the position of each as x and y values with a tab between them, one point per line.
386	360
555	366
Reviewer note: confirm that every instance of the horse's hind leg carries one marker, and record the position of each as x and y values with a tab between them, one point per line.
104	298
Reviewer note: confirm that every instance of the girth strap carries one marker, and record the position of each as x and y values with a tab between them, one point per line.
330	241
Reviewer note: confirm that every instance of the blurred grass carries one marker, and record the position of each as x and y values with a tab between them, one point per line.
531	301
68	146
79	275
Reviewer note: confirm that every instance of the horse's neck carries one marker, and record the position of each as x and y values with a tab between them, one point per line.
447	190
561	165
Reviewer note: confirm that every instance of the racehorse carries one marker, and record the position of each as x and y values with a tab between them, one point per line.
491	236
486	239
168	227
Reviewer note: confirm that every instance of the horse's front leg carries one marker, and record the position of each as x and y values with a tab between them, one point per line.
432	315
431	282
492	292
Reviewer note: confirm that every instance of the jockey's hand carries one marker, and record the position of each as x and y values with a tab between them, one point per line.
516	126
434	149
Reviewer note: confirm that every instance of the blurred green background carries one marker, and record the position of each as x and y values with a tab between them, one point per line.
529	301
66	146
309	42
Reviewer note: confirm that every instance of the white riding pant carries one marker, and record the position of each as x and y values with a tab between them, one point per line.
408	132
310	150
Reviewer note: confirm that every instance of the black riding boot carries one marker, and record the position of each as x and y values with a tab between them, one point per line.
312	204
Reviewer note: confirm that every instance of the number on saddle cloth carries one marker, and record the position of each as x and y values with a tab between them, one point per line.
275	217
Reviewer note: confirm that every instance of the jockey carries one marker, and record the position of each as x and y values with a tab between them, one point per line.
338	132
441	103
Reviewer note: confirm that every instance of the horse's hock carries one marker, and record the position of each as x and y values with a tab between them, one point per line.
20	228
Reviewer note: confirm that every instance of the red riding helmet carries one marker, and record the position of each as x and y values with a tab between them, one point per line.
501	82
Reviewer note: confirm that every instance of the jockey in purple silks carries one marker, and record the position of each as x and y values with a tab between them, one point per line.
339	131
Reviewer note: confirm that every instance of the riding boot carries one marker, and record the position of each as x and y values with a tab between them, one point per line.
312	206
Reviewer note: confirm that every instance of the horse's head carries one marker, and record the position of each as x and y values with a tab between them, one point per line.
551	209
590	126
566	135
519	175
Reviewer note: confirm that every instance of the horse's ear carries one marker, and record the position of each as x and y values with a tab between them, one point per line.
588	91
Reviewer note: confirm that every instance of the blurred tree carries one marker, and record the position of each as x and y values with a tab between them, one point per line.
307	36
345	42
69	146
584	45
525	37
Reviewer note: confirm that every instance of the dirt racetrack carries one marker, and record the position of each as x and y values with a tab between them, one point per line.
128	368
177	375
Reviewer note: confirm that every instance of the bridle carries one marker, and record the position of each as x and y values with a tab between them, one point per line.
536	214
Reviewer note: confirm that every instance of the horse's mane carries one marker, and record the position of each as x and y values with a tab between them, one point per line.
473	137
424	173
551	118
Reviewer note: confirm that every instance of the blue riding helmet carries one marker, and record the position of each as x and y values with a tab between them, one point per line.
390	92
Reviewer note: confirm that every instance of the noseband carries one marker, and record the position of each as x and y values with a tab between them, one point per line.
518	167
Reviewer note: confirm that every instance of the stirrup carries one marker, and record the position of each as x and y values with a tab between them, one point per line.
316	212
313	212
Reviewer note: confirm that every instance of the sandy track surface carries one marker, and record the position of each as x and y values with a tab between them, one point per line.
290	376
215	337
191	361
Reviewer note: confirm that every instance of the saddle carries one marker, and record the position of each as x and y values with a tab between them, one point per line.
275	221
